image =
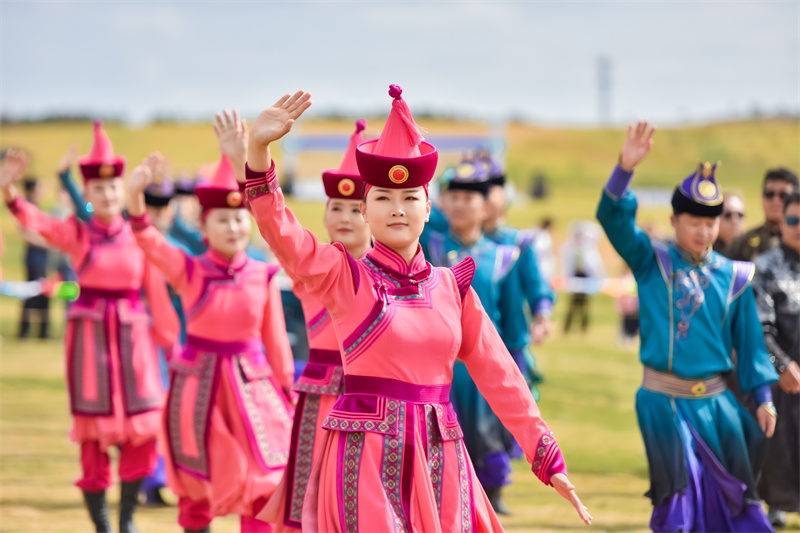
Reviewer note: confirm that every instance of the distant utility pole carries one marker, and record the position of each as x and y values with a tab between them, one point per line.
604	90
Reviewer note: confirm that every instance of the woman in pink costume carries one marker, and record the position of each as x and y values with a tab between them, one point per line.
227	420
111	360
321	381
393	458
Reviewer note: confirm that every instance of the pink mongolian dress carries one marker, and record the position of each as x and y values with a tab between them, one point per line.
227	419
112	364
392	457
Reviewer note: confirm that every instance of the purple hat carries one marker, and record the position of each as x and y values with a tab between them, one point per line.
699	193
159	193
184	186
497	175
470	175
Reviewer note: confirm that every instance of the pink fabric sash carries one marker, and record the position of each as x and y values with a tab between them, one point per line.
324	357
399	390
223	347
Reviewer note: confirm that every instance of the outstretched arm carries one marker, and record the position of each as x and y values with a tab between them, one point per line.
326	270
167	258
617	210
63	234
499	380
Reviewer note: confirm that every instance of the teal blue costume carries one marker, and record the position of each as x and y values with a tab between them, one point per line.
703	448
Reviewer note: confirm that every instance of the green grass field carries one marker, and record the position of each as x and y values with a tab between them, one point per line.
590	381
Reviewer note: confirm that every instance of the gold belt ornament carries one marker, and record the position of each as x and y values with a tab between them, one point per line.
679	387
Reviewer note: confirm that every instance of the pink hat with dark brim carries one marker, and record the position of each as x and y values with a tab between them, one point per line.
345	183
100	162
222	191
399	158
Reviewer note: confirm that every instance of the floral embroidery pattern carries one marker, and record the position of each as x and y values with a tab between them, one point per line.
463	479
391	470
435	455
264	388
691	285
200	411
545	443
305	453
352	460
331	387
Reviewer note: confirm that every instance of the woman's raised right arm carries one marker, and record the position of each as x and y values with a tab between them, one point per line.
327	271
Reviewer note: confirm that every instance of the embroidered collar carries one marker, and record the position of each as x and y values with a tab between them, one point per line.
222	262
393	265
108	229
690	258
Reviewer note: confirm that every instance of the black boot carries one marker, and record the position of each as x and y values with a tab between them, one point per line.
128	499
495	498
98	510
206	529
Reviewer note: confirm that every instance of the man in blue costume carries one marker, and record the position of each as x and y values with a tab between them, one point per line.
533	289
703	448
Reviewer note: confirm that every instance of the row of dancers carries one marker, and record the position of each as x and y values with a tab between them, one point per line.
418	387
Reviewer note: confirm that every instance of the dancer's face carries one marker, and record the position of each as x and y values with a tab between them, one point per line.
227	230
107	196
396	217
465	210
345	223
695	234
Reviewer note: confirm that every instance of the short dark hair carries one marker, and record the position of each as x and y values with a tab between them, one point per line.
29	183
781	174
793	198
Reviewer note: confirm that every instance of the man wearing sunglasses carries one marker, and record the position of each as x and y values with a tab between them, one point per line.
778	184
731	223
777	288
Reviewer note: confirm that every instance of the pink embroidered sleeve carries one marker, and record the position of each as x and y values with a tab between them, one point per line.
276	341
66	235
324	269
167	258
501	383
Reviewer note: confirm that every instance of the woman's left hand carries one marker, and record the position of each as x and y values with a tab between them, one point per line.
566	489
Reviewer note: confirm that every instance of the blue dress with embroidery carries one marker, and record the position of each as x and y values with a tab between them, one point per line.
703	453
487	441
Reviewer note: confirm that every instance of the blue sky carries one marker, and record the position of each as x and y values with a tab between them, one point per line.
671	61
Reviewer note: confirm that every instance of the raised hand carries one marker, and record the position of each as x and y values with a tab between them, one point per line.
566	489
13	167
141	176
272	124
637	145
68	159
232	135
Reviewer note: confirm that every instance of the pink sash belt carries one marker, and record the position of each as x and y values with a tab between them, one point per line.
399	390
223	347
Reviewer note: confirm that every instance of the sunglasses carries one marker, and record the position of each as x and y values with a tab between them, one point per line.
793	220
769	195
731	214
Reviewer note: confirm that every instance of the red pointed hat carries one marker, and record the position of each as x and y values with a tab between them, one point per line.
222	191
101	162
345	182
400	158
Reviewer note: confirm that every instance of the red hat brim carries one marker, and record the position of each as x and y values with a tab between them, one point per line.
102	170
396	172
218	198
343	186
